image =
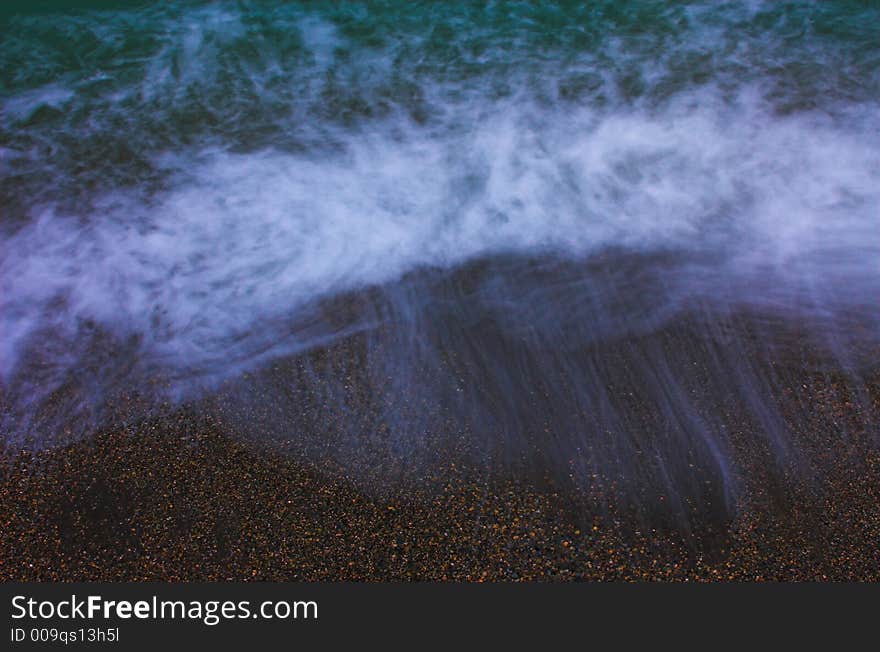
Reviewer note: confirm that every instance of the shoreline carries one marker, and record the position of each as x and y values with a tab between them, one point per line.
278	477
181	500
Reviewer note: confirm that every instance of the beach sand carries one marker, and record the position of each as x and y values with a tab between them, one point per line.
183	497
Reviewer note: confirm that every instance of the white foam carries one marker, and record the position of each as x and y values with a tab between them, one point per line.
242	240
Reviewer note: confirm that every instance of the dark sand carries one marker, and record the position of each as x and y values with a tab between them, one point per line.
187	496
180	500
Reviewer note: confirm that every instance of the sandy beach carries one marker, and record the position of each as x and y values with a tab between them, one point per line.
184	497
440	291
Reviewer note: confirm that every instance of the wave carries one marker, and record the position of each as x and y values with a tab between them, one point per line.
221	189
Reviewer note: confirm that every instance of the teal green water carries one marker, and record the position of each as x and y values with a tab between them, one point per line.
104	91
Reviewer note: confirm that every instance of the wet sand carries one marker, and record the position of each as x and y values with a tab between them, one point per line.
180	497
